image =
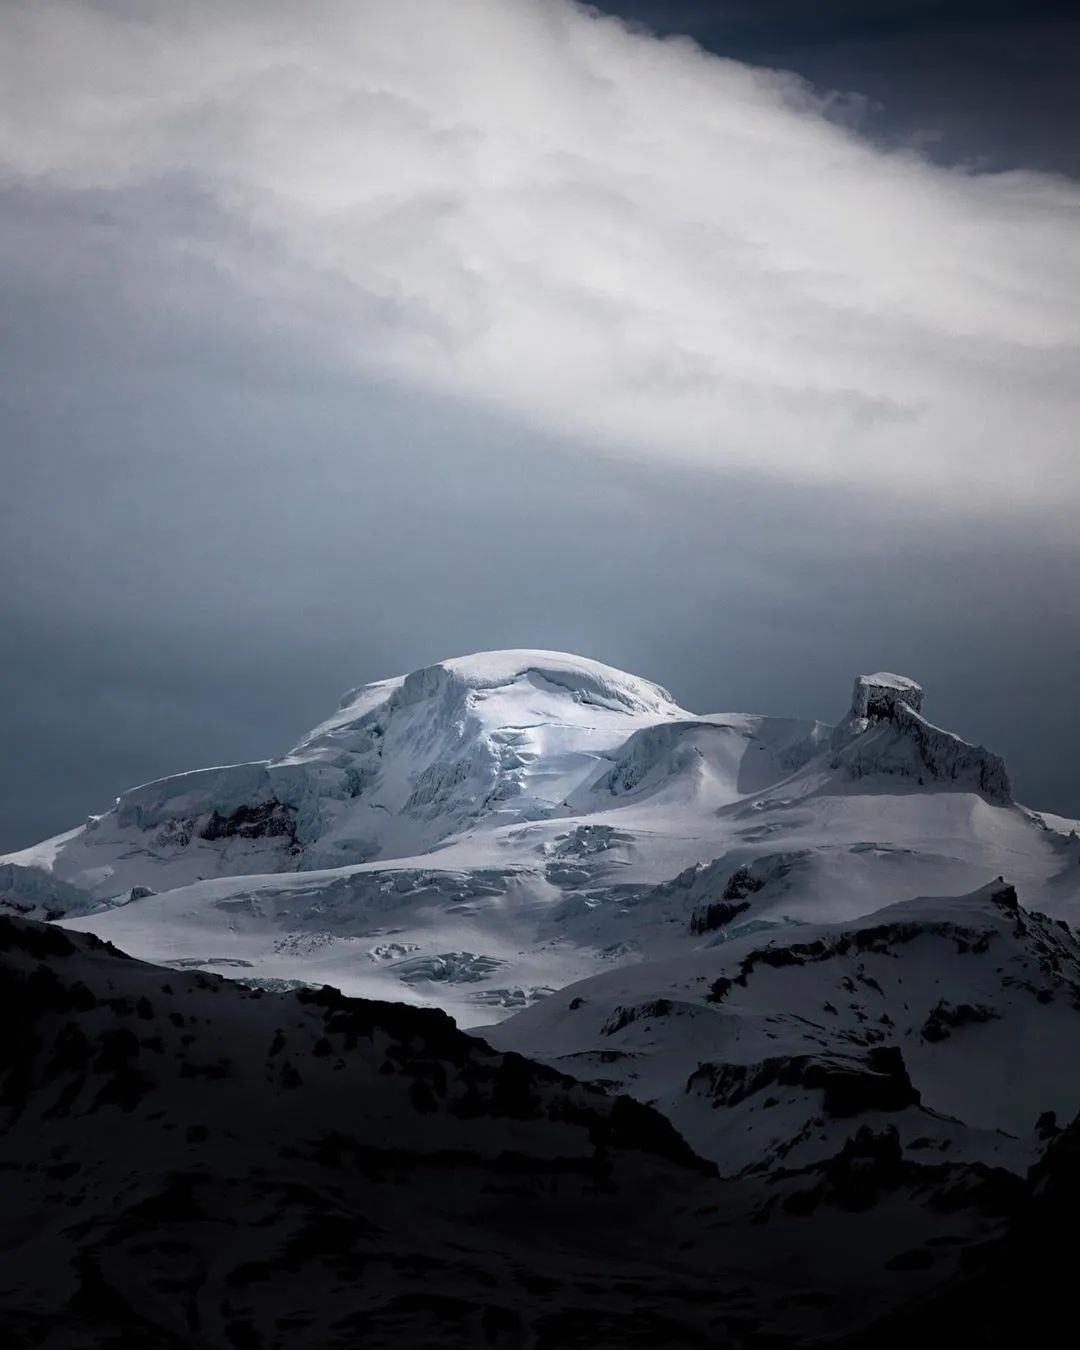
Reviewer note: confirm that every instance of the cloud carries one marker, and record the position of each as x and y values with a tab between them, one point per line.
521	205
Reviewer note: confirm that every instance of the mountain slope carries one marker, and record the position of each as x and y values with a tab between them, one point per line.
954	1020
186	1162
189	1163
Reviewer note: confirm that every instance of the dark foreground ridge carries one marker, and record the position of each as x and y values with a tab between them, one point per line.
1014	1287
188	1163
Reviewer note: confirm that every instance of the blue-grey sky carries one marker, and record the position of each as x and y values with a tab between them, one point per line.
345	337
989	83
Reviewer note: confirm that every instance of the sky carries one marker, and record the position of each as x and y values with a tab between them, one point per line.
990	84
735	345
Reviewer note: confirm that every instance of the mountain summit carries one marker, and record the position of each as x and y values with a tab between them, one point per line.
482	831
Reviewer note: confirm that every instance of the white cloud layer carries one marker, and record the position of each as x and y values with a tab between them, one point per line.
624	241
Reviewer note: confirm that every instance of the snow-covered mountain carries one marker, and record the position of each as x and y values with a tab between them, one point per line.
493	828
402	766
834	965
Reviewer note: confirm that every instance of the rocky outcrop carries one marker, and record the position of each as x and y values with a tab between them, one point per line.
876	697
717	914
268	820
876	1080
886	733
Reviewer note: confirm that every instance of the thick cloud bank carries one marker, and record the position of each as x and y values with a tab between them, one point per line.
622	241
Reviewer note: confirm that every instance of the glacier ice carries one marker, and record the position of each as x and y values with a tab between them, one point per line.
541	811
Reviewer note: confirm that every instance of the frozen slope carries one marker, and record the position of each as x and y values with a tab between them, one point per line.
955	1020
402	765
488	830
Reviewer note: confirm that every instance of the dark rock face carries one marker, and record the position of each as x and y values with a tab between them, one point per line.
946	1017
711	918
1017	1289
877	1158
877	697
622	1017
269	820
733	901
189	1163
883	1085
886	733
1046	1127
885	938
878	1081
742	883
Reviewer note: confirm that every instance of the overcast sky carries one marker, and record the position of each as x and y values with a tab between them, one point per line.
343	337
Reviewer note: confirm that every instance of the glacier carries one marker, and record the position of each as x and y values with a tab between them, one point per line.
534	809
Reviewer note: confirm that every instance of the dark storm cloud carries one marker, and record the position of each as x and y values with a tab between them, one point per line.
260	446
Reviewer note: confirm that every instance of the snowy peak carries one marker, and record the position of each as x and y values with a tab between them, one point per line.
711	913
585	681
875	697
405	764
517	818
499	737
886	733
